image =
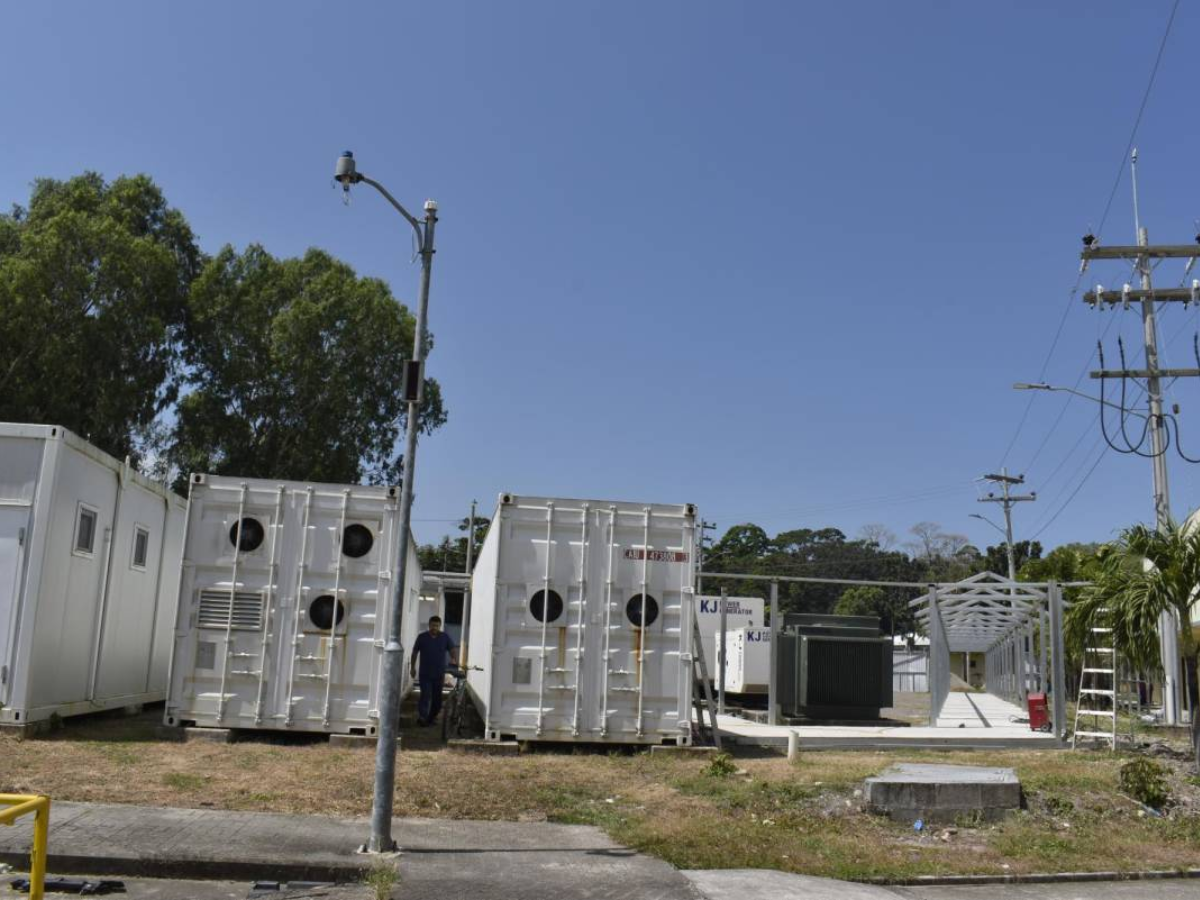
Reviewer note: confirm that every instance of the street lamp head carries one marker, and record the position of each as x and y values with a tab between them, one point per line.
1023	386
346	171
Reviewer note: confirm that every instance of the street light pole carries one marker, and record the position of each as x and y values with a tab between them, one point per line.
393	651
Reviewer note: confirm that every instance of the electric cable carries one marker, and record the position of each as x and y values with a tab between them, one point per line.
1103	220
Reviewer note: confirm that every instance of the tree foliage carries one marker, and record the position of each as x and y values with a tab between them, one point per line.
293	371
451	554
995	558
1145	573
94	279
119	328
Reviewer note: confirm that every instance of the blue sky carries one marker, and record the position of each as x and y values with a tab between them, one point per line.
781	260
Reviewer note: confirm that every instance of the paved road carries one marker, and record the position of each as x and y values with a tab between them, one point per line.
744	884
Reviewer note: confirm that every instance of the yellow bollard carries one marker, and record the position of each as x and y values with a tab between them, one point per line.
20	805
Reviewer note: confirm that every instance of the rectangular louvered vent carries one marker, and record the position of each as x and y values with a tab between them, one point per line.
247	610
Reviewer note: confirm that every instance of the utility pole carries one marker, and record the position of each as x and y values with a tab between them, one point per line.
466	610
1007	499
1141	254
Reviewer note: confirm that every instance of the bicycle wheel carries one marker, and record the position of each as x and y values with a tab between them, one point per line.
450	713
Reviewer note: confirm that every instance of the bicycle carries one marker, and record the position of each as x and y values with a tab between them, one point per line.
454	713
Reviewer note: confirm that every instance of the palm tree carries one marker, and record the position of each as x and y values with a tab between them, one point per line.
1146	573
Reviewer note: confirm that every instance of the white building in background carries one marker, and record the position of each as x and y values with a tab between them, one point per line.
89	567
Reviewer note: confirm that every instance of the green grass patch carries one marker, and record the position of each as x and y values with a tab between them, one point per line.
184	781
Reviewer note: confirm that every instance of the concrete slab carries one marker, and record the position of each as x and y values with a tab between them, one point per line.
440	858
968	722
760	884
940	794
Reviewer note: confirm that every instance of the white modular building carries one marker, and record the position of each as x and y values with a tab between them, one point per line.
581	619
283	605
89	566
740	612
748	670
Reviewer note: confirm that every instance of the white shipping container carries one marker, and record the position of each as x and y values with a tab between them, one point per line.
740	612
89	566
749	667
559	594
283	605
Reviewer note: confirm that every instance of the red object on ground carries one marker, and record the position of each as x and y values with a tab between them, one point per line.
1039	717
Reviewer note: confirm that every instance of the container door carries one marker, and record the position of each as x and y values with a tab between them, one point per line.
14	534
641	571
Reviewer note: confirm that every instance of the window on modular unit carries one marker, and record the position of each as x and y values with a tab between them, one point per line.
545	611
247	535
357	541
141	546
85	530
633	610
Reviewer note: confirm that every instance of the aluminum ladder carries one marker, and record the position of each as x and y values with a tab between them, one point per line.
1096	707
702	697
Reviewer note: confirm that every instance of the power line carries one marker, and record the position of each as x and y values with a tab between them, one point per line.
1103	220
1078	488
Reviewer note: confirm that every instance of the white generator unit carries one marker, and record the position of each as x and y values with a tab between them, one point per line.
748	670
283	605
89	567
740	612
581	619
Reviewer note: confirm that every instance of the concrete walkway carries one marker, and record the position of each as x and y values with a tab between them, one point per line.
963	710
440	859
756	884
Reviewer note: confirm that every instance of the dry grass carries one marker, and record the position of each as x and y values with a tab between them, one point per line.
804	817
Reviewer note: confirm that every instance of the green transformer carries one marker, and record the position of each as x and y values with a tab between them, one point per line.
833	667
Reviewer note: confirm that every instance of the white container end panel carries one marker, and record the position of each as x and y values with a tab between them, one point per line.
283	605
749	652
89	553
581	612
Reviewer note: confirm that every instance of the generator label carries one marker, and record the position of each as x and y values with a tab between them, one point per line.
670	556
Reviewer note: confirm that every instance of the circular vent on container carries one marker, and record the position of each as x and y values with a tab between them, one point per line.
251	537
543	611
357	540
633	610
320	612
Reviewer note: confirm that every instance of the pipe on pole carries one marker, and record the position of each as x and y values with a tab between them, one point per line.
773	676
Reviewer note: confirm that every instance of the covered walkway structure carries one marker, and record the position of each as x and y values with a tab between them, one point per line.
1016	627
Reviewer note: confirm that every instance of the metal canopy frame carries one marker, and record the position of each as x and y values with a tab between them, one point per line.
1016	625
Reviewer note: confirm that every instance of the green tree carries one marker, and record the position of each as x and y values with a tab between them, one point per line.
995	558
1065	563
293	371
94	279
451	554
1146	573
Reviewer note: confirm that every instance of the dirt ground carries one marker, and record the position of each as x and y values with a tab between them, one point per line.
805	817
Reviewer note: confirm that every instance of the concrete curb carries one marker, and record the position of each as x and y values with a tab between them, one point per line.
202	869
1032	878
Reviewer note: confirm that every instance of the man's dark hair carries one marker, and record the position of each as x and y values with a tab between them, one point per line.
433	619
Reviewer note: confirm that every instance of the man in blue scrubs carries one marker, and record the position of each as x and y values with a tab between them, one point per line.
433	648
